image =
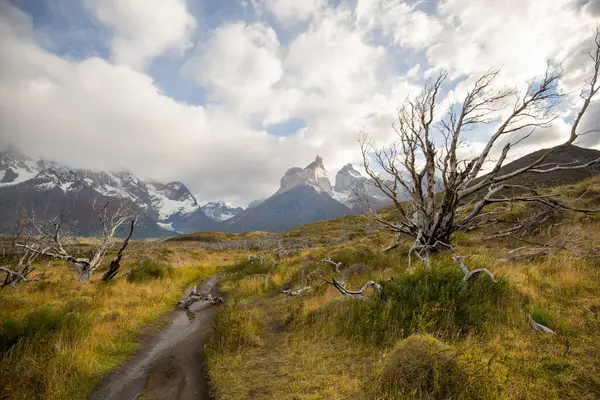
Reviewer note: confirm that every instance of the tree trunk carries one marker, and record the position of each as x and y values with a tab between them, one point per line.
84	275
111	272
84	271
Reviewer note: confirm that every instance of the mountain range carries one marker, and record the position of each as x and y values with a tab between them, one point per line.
50	188
305	195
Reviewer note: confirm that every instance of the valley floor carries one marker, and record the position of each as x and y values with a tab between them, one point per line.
431	337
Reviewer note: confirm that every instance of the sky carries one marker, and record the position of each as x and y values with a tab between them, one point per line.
226	95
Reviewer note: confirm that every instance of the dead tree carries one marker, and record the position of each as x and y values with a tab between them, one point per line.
48	239
18	271
447	193
115	263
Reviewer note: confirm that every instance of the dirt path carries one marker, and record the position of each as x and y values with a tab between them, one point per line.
170	365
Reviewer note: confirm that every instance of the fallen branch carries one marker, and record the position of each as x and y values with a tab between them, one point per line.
203	294
539	327
340	284
297	292
469	274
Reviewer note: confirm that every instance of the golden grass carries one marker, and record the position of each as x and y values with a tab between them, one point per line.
268	346
303	355
95	329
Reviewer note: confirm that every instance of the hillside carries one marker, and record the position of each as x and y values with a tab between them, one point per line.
320	344
571	155
432	336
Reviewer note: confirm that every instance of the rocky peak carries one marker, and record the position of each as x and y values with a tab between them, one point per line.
220	211
318	163
313	175
348	179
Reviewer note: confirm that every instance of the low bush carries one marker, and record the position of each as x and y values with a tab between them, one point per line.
422	367
436	302
148	270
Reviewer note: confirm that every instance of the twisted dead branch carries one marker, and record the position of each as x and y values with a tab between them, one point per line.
469	274
339	283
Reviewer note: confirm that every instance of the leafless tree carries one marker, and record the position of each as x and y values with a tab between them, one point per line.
49	239
446	192
17	267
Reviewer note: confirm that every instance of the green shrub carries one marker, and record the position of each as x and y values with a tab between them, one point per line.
436	302
148	270
422	367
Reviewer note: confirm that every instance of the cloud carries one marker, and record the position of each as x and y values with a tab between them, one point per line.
593	7
239	63
144	29
337	68
402	23
516	36
291	11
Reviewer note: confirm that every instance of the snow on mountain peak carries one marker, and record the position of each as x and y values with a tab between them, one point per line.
220	211
314	175
160	200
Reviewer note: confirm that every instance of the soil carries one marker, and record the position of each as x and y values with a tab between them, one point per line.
171	363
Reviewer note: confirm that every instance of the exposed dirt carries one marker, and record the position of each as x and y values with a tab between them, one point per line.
171	363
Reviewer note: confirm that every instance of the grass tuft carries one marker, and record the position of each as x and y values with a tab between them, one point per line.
149	270
422	367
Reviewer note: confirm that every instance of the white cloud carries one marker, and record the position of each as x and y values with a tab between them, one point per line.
337	73
514	35
402	23
144	29
289	11
240	63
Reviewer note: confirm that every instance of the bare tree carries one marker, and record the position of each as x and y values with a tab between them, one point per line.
418	167
48	239
17	268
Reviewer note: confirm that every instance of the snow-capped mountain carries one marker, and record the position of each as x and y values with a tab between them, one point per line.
354	190
220	211
305	195
167	204
351	188
313	175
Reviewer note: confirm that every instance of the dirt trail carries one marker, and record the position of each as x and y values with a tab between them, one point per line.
170	365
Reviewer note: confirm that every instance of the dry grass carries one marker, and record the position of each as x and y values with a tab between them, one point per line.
320	345
61	336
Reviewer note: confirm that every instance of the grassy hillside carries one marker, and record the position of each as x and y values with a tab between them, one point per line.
214	237
432	337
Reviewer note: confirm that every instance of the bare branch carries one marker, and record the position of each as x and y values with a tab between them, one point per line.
469	274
